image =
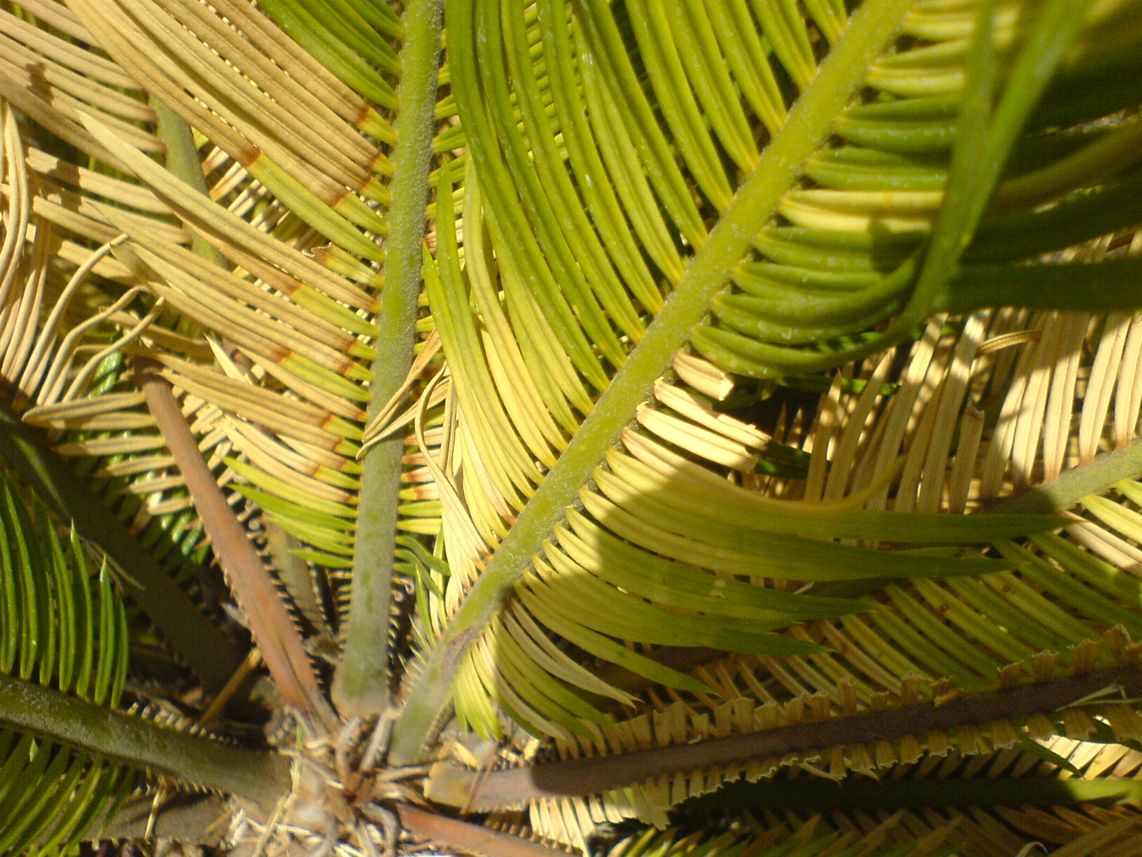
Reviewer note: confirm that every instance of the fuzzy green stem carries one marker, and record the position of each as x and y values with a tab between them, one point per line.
260	776
182	161
872	26
1094	477
361	683
195	639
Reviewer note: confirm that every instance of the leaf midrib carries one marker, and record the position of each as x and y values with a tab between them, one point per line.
754	204
101	732
361	683
483	791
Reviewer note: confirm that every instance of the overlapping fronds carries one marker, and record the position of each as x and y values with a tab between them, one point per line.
68	754
1011	399
1081	832
1069	795
812	837
850	243
1063	591
655	343
628	574
294	332
596	232
262	319
71	309
317	163
929	745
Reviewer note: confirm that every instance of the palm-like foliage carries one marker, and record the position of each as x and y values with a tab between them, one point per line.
63	627
686	389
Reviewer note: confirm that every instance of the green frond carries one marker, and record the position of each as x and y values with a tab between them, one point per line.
915	743
635	381
516	315
1067	794
659	528
170	542
973	631
857	232
62	626
304	359
72	308
68	754
309	167
291	325
1082	830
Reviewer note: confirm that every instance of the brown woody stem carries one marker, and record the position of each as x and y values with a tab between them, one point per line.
479	791
255	591
469	838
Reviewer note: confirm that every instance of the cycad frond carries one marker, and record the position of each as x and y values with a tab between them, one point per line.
976	631
812	836
62	626
660	528
709	370
935	831
69	755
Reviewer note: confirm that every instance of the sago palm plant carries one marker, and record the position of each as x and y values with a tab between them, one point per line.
650	427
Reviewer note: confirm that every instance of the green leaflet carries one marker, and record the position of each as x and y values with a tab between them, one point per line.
66	756
879	241
752	206
640	207
63	626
